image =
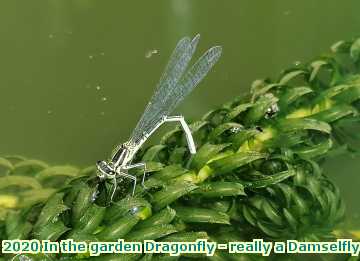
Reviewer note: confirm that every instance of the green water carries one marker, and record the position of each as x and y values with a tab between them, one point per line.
75	77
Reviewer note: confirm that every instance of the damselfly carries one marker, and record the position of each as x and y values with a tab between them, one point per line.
174	85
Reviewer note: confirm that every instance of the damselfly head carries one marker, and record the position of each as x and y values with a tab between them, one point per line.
104	169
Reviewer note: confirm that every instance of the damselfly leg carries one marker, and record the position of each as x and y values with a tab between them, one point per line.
138	165
187	131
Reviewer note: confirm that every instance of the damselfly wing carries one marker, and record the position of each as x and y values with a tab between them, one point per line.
174	85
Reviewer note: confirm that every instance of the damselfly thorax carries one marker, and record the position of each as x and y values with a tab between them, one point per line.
174	85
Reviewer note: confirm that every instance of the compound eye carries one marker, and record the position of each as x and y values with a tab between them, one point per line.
104	168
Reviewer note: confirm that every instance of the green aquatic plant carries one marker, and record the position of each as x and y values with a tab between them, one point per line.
26	183
257	172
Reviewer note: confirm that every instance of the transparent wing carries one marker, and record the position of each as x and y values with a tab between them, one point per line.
174	61
175	68
167	98
195	74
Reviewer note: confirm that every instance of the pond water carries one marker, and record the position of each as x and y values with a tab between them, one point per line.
76	75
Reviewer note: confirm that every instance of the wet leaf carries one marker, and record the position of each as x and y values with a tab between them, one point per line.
171	193
205	153
316	66
201	215
164	216
119	228
219	130
20	181
152	153
185	237
292	94
91	219
51	211
237	111
229	163
29	167
219	189
303	124
268	180
151	233
69	171
355	50
286	78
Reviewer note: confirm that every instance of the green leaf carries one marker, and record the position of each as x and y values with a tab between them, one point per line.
91	219
219	130
51	211
219	189
119	228
35	196
169	172
292	94
340	47
201	215
185	237
271	213
297	124
239	138
5	166
355	50
234	161
205	153
124	206
151	233
29	167
334	91
291	220
257	112
164	216
50	231
83	201
231	115
286	192
335	113
69	171
269	229
170	193
20	181
21	231
265	89
316	66
152	166
286	78
300	207
152	153
249	215
177	155
268	180
314	150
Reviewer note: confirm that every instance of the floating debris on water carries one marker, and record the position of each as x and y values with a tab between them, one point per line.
98	87
287	12
103	99
150	53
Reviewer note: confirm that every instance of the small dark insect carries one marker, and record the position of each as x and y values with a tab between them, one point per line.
272	111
